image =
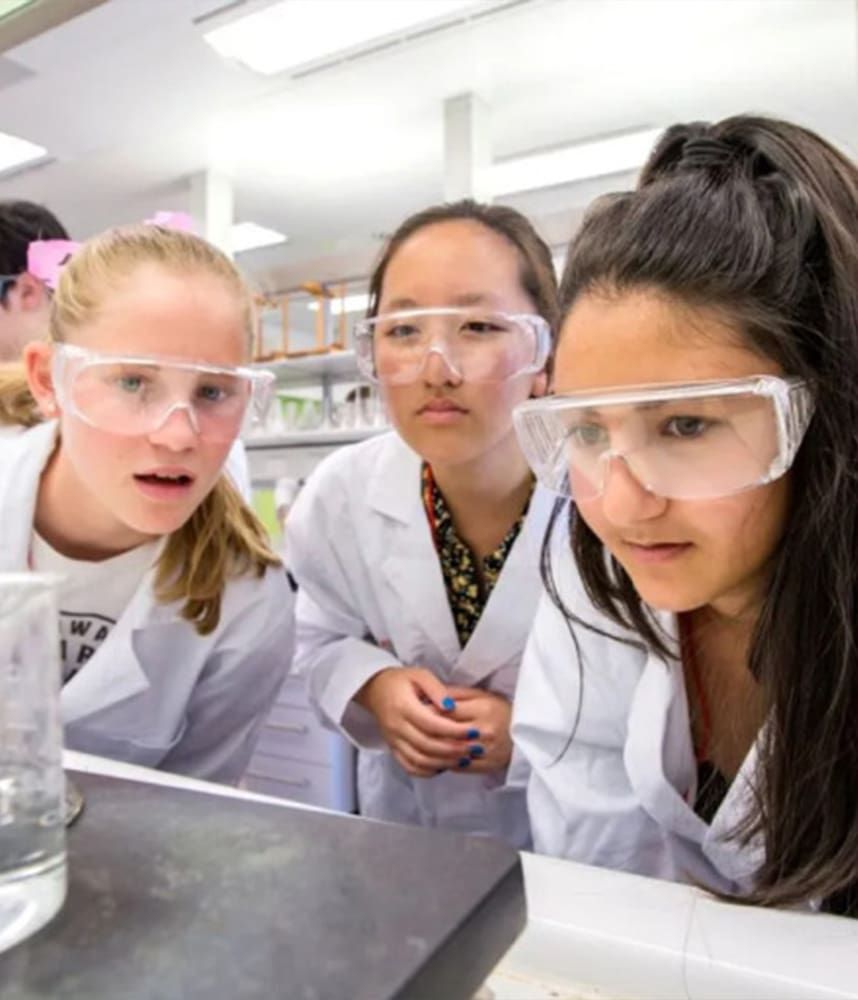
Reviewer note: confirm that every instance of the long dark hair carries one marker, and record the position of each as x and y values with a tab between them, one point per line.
758	220
536	269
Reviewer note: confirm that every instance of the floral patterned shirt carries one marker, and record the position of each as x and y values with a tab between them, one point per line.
468	580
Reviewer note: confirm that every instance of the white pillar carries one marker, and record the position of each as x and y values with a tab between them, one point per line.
212	205
467	148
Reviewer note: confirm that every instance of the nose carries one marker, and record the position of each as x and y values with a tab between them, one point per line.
625	500
438	369
178	431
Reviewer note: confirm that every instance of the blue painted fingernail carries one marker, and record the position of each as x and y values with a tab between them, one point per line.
473	734
476	750
464	762
449	704
441	770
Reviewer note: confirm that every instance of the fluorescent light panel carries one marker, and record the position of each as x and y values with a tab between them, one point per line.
293	33
612	155
14	151
250	236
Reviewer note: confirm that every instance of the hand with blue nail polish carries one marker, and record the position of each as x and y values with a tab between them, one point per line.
414	710
488	716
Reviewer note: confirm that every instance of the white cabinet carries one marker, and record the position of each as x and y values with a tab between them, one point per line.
297	758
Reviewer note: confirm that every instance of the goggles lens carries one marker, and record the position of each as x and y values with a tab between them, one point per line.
681	442
136	395
476	346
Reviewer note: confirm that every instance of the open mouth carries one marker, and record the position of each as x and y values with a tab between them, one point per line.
164	485
155	479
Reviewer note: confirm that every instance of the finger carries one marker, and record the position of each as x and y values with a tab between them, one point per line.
427	683
445	750
419	763
431	723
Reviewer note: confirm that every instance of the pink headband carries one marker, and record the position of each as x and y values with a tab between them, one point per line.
46	258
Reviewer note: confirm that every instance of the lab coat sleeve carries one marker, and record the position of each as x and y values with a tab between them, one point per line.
238	684
336	665
334	652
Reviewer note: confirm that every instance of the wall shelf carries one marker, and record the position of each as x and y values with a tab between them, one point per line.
335	366
308	439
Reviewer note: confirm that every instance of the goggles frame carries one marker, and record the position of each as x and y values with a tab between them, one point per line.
364	339
261	382
541	431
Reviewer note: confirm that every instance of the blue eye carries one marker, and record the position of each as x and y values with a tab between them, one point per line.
132	384
587	435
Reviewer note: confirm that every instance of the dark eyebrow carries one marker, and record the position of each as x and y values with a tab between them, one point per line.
467	299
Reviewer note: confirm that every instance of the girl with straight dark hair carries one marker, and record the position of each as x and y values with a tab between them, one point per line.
417	553
688	703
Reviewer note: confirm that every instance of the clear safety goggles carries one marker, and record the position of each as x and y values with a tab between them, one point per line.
475	344
689	441
133	394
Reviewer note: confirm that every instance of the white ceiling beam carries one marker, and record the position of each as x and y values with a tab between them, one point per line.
212	206
467	148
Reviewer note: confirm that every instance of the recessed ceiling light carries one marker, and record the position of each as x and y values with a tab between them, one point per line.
292	33
14	151
250	236
596	158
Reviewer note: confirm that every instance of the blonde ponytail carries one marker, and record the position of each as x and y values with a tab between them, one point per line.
17	406
223	538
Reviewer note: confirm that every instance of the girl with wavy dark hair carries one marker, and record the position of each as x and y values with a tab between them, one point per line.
689	698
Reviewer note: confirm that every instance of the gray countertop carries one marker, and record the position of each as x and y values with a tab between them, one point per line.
175	894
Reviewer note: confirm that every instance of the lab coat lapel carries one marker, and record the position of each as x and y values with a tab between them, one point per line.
511	607
736	861
658	753
409	561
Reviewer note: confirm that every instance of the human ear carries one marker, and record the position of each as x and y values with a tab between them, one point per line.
37	359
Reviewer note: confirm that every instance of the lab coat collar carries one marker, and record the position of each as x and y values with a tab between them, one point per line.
659	760
659	756
394	485
146	640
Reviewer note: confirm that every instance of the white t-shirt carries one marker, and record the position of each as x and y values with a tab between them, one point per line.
91	596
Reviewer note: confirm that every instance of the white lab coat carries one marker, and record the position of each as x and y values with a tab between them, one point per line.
155	692
620	794
371	595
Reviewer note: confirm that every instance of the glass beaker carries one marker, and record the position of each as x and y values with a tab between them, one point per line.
32	810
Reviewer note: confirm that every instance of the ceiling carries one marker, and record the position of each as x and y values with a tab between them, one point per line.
130	101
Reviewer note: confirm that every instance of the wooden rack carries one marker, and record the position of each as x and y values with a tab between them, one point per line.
324	295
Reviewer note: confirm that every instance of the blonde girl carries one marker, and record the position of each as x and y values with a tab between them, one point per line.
176	617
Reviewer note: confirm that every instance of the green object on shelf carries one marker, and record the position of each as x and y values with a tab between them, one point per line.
263	504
